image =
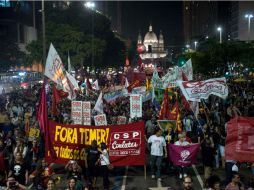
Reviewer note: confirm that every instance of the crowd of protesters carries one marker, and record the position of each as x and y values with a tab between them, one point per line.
22	162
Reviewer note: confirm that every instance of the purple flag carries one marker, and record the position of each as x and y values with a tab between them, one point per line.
183	155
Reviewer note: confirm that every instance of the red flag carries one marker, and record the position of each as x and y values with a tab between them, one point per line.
240	139
174	113
127	62
164	106
179	123
139	61
42	117
134	84
2	163
88	84
42	113
185	103
185	78
55	100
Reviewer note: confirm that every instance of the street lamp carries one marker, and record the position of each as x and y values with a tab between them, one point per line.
220	30
90	5
195	45
248	16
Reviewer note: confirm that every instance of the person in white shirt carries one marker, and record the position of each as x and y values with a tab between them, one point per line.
158	144
104	161
182	142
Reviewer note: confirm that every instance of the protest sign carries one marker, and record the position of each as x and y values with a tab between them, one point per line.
100	120
135	105
86	113
76	112
166	124
33	133
121	120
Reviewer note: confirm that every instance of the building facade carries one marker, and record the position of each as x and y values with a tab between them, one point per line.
151	47
199	20
241	29
17	22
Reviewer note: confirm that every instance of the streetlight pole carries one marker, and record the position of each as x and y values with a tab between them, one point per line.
248	16
43	33
91	5
195	45
220	30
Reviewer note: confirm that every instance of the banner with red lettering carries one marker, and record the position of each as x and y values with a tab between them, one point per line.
121	120
240	139
87	113
194	91
76	112
135	105
100	120
125	142
183	155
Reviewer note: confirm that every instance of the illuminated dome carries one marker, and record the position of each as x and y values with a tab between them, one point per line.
151	48
150	38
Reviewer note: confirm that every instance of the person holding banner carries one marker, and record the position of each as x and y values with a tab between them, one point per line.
182	142
158	143
104	161
93	155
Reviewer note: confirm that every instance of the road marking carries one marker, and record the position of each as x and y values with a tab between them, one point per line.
198	176
158	188
124	178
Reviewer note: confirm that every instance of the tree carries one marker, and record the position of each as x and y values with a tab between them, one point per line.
213	58
10	54
85	34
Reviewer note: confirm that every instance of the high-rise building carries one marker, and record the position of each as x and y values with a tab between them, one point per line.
199	19
242	27
17	22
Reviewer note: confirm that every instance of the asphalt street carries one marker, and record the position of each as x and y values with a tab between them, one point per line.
133	178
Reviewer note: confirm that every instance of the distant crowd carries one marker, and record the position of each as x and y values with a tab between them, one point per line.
22	162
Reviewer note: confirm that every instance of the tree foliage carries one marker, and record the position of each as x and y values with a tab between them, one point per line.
10	55
213	58
84	33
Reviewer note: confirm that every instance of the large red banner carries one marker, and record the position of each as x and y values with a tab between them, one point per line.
240	139
125	142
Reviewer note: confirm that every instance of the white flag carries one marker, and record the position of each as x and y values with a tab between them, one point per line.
73	81
69	64
55	70
54	66
126	83
195	91
194	107
99	104
187	70
95	85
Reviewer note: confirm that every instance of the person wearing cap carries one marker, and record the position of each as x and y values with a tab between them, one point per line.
158	144
182	142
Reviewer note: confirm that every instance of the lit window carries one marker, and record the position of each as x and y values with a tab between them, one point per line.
5	3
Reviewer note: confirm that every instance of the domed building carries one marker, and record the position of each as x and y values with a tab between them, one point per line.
151	47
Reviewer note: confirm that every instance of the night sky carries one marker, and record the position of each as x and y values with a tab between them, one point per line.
137	15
